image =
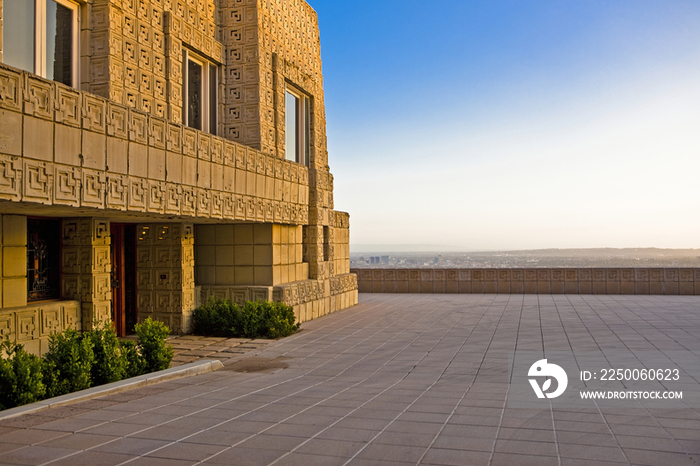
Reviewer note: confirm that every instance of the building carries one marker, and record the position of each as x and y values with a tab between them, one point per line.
154	153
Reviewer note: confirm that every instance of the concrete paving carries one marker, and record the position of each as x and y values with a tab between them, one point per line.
191	348
396	380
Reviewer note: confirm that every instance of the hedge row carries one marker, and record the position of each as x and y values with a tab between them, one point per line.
256	319
76	361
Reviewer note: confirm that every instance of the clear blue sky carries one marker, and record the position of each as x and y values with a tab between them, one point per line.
514	124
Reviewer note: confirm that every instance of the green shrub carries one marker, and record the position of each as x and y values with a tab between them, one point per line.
220	317
250	320
110	364
216	318
278	320
156	353
20	376
134	363
68	363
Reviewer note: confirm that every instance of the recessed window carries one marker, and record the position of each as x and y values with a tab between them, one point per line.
199	93
41	36
43	259
296	126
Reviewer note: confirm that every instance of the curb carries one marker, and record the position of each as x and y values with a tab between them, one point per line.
186	370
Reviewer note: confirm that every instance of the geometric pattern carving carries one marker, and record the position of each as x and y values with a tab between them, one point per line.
94	113
51	319
118	121
138	194
174	140
38	182
68	108
100	232
138	127
10	177
156	196
71	316
93	188
203	202
157	132
27	325
685	275
7	325
173	198
39	97
68	183
10	90
70	259
117	192
670	281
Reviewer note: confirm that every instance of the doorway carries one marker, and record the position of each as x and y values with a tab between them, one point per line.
123	277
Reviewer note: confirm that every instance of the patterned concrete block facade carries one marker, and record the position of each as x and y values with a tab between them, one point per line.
161	152
656	281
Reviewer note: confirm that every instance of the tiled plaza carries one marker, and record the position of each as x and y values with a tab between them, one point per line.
398	379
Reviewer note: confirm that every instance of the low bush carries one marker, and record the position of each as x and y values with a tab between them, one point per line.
220	317
110	364
216	318
76	361
68	364
21	379
156	353
135	365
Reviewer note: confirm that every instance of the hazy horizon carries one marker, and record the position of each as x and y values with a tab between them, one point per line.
435	248
514	125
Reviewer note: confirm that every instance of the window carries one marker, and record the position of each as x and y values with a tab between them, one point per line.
43	259
296	126
199	93
41	36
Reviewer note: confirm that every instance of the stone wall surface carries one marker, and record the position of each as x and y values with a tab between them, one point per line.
165	274
117	150
659	281
136	50
32	325
86	267
63	147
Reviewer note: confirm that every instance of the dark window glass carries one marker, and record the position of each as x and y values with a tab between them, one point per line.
194	95
18	34
43	259
59	43
213	104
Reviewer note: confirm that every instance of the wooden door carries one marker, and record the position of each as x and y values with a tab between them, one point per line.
118	279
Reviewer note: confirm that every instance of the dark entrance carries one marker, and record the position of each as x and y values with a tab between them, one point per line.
123	277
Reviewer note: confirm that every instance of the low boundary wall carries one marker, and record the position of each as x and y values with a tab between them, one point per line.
658	281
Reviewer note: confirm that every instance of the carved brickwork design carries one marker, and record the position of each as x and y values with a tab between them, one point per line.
123	149
32	325
543	281
165	278
128	160
86	266
136	50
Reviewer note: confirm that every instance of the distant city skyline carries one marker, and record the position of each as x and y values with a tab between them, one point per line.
514	125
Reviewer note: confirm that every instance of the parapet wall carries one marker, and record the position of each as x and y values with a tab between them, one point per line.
658	281
63	147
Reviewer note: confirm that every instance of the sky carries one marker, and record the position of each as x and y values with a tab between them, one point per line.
495	125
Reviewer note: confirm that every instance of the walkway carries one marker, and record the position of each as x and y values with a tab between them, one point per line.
398	379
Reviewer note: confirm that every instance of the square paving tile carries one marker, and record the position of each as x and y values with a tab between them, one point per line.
397	379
